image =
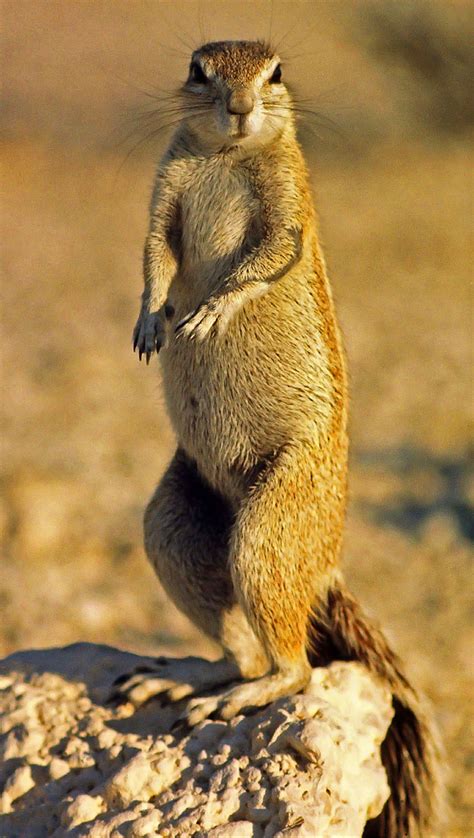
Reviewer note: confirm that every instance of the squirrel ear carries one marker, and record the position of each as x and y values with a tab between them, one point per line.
276	77
197	74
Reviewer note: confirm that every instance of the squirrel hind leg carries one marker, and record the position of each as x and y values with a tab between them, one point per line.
187	527
269	536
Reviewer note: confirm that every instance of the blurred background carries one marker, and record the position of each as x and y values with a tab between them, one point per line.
84	431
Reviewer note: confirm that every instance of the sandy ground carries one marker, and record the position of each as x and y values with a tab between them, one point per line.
84	431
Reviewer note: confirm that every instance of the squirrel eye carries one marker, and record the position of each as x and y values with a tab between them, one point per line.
276	77
197	74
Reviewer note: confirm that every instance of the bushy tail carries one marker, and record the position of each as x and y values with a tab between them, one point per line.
340	631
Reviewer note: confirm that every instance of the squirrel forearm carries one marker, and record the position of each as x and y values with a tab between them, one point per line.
159	268
253	277
159	260
281	246
268	264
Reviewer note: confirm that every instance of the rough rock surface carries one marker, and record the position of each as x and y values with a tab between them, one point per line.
72	766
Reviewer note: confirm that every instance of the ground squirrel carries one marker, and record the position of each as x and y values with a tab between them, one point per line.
245	527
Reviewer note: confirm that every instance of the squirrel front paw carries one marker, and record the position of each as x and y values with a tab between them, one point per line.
212	315
149	332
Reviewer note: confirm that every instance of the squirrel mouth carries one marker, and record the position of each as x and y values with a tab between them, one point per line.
243	128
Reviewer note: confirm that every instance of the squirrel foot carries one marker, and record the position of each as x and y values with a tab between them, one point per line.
252	694
171	679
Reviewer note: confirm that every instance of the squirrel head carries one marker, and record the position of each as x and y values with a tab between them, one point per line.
236	95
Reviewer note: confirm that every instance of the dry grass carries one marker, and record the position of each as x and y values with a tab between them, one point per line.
84	431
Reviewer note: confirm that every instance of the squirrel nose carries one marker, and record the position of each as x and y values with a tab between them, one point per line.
240	102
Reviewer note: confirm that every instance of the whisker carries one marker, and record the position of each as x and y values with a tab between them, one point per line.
133	84
190	47
202	29
283	38
141	117
308	119
288	53
323	119
136	146
146	116
164	95
299	109
271	21
151	135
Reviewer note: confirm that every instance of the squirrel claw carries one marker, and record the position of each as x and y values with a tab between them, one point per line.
149	334
200	322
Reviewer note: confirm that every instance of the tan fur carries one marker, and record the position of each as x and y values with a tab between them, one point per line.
245	528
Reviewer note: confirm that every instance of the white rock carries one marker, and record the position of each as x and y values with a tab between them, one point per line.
238	829
58	768
19	782
128	783
83	808
308	765
145	825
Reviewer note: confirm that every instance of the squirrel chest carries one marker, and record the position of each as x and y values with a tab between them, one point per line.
219	222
